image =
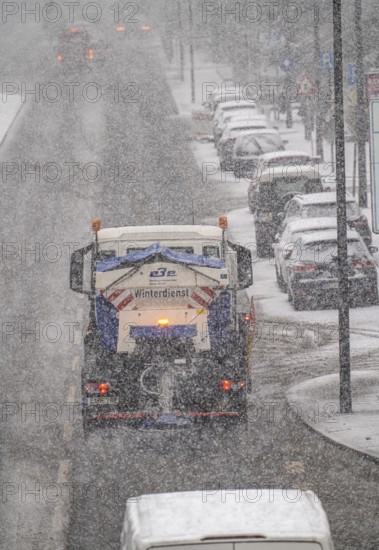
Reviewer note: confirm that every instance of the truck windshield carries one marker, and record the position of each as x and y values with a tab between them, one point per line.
182	249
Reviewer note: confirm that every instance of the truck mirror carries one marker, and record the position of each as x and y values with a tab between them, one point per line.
77	269
244	265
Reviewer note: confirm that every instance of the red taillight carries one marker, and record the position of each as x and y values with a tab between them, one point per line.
304	268
363	263
104	388
59	57
95	387
227	385
358	221
90	54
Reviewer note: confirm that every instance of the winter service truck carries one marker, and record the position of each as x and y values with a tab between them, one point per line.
170	326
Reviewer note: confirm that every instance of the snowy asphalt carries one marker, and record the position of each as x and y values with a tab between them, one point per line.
60	490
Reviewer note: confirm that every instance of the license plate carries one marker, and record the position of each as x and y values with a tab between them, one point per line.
103	400
235	387
330	285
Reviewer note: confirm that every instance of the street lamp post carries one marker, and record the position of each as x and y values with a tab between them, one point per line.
192	68
360	120
343	281
316	61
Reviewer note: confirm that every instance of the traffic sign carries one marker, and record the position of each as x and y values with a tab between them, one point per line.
351	74
327	60
286	65
374	158
306	86
372	85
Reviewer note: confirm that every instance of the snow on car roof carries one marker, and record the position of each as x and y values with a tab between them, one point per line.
235	103
296	226
286	154
258	131
157	232
321	198
197	515
247	123
290	171
329	235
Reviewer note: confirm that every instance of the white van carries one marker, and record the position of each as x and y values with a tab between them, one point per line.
242	519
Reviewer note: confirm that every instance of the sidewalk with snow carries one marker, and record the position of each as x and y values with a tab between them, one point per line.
316	402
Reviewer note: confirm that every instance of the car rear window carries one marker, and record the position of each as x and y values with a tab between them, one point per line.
326	251
274	191
328	210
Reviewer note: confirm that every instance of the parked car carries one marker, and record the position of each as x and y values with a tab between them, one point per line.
284	242
230	117
229	136
215	519
313	271
229	106
273	191
321	205
248	149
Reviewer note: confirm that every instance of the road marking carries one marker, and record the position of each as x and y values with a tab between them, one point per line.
68	430
77	337
294	467
58	523
68	427
80	314
76	363
63	470
71	394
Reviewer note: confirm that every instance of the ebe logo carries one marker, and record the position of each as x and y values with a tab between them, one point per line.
163	272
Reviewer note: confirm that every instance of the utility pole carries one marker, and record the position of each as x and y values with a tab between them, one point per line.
316	61
343	281
181	49
360	118
192	68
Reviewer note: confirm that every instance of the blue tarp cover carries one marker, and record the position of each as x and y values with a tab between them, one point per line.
157	250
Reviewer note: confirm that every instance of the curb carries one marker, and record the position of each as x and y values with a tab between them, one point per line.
309	426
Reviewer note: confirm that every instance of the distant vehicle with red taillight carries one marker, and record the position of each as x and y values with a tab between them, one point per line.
75	48
169	336
313	271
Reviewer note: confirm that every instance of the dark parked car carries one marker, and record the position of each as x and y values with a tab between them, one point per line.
313	271
248	149
274	190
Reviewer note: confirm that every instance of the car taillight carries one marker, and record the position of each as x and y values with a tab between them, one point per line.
90	54
358	221
228	141
363	263
304	268
59	57
97	387
228	385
